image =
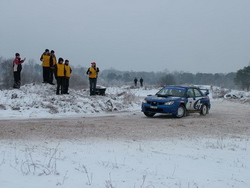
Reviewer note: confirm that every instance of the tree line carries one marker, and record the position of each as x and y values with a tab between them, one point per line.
165	77
242	78
32	73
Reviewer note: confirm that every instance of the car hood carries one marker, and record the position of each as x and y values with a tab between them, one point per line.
163	99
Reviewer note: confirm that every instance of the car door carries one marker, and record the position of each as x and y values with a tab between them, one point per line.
190	99
197	101
193	99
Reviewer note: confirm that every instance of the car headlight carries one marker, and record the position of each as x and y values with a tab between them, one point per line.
169	103
144	102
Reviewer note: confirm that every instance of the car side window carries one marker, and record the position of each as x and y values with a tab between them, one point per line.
197	93
190	93
177	93
164	91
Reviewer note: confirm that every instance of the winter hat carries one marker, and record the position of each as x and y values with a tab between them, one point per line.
60	59
17	54
93	63
52	51
47	50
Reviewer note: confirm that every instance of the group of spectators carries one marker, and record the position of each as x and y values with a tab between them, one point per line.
61	70
141	81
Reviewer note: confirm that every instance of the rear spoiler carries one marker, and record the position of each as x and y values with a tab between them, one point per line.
205	91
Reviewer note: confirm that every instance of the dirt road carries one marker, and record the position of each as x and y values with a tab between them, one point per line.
230	119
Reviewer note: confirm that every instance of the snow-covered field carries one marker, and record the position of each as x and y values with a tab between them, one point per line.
97	163
193	162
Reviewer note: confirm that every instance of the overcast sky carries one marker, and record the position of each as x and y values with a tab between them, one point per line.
208	36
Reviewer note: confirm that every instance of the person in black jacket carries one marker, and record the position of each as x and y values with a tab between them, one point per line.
17	68
141	81
135	81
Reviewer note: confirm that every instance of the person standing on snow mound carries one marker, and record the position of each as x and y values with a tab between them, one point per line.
60	74
45	58
68	72
17	68
52	67
93	74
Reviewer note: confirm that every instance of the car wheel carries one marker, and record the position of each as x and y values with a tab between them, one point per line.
181	111
204	110
148	114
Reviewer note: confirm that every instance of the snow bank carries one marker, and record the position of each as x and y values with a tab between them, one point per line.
40	101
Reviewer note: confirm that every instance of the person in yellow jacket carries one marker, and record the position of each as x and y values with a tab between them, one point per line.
52	66
68	72
93	74
45	58
60	75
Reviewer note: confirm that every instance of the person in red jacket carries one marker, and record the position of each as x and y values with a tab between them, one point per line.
17	68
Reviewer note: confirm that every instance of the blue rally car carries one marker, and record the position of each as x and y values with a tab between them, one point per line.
178	101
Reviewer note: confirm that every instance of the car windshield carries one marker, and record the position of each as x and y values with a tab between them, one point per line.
177	92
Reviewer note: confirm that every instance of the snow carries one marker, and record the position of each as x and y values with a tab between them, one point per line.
176	163
93	163
40	101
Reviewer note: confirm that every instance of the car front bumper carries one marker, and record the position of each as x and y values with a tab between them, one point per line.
169	109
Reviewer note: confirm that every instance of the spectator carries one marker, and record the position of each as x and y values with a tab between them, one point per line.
93	74
68	71
135	81
141	82
52	67
45	58
17	68
60	74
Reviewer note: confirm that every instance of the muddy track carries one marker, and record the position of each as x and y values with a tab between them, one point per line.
226	119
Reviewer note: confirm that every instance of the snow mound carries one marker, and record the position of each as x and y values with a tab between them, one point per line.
40	101
241	96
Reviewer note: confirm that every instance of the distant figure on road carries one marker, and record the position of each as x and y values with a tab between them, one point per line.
141	82
135	81
17	68
93	74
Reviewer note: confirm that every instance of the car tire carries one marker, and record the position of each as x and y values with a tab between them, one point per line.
181	111
204	110
149	114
